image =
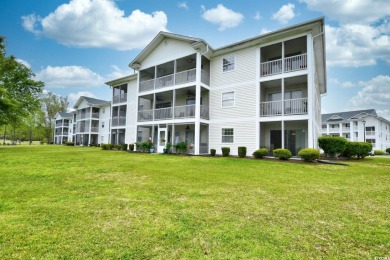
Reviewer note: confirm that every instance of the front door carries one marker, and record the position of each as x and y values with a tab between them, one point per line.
162	139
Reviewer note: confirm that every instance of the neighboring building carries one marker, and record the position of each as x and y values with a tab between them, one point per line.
362	126
63	128
261	92
91	121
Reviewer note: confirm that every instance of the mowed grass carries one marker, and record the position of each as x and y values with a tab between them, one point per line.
75	202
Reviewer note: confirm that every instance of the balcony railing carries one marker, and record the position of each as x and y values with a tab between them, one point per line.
178	112
95	129
205	77
370	132
95	115
169	80
296	106
163	113
119	99
294	63
118	121
165	81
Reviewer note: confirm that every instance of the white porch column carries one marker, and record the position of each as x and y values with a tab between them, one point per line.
341	129
90	127
282	122
258	59
351	136
312	142
197	102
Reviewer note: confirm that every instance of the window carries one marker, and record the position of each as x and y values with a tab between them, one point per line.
228	99
102	124
104	110
228	64
227	135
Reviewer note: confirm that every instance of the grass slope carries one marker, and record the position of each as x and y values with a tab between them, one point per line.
74	202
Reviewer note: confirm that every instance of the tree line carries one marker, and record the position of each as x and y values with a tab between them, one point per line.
27	111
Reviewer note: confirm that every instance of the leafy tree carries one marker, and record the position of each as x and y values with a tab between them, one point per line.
51	105
19	92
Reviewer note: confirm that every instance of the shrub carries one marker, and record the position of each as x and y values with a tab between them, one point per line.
241	151
110	146
69	144
282	154
181	147
357	150
379	152
332	146
104	146
213	152
225	151
260	153
131	147
388	150
168	146
309	154
124	147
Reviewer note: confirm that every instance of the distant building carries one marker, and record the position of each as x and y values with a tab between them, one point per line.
361	125
63	128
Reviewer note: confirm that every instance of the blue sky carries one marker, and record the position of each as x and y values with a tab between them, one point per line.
75	46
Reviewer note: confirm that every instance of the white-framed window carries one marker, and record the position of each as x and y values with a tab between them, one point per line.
228	99
227	135
104	110
228	63
102	124
102	139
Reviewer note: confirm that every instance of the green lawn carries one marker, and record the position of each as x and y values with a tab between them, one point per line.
75	202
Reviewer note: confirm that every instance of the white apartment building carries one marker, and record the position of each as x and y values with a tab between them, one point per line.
63	128
91	121
361	126
261	92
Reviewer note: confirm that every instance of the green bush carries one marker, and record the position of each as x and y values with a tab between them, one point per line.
131	147
104	146
332	146
241	151
69	144
379	152
260	153
110	146
388	150
124	147
309	154
181	147
213	152
357	150
225	151
282	154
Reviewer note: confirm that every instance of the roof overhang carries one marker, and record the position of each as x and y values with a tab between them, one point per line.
122	80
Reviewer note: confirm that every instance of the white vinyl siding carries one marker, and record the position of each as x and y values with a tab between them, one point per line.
228	99
227	135
228	63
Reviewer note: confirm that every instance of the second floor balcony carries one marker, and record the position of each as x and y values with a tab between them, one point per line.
296	106
169	113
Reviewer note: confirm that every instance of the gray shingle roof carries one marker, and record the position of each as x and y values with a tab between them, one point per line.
345	116
95	101
65	115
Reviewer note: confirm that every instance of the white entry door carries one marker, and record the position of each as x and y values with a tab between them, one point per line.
162	139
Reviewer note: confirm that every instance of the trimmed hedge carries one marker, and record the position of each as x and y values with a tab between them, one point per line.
357	150
124	147
213	152
241	151
260	153
131	147
225	151
332	146
309	154
69	143
379	152
282	154
388	150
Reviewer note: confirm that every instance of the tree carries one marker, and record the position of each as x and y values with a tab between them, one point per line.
19	92
51	105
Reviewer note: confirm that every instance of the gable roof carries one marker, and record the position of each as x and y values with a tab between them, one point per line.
93	102
347	115
63	115
119	81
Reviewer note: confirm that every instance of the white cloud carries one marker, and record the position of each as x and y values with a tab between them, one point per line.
97	23
374	93
118	73
257	17
285	13
69	76
357	45
183	5
25	63
222	16
352	11
264	31
73	97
